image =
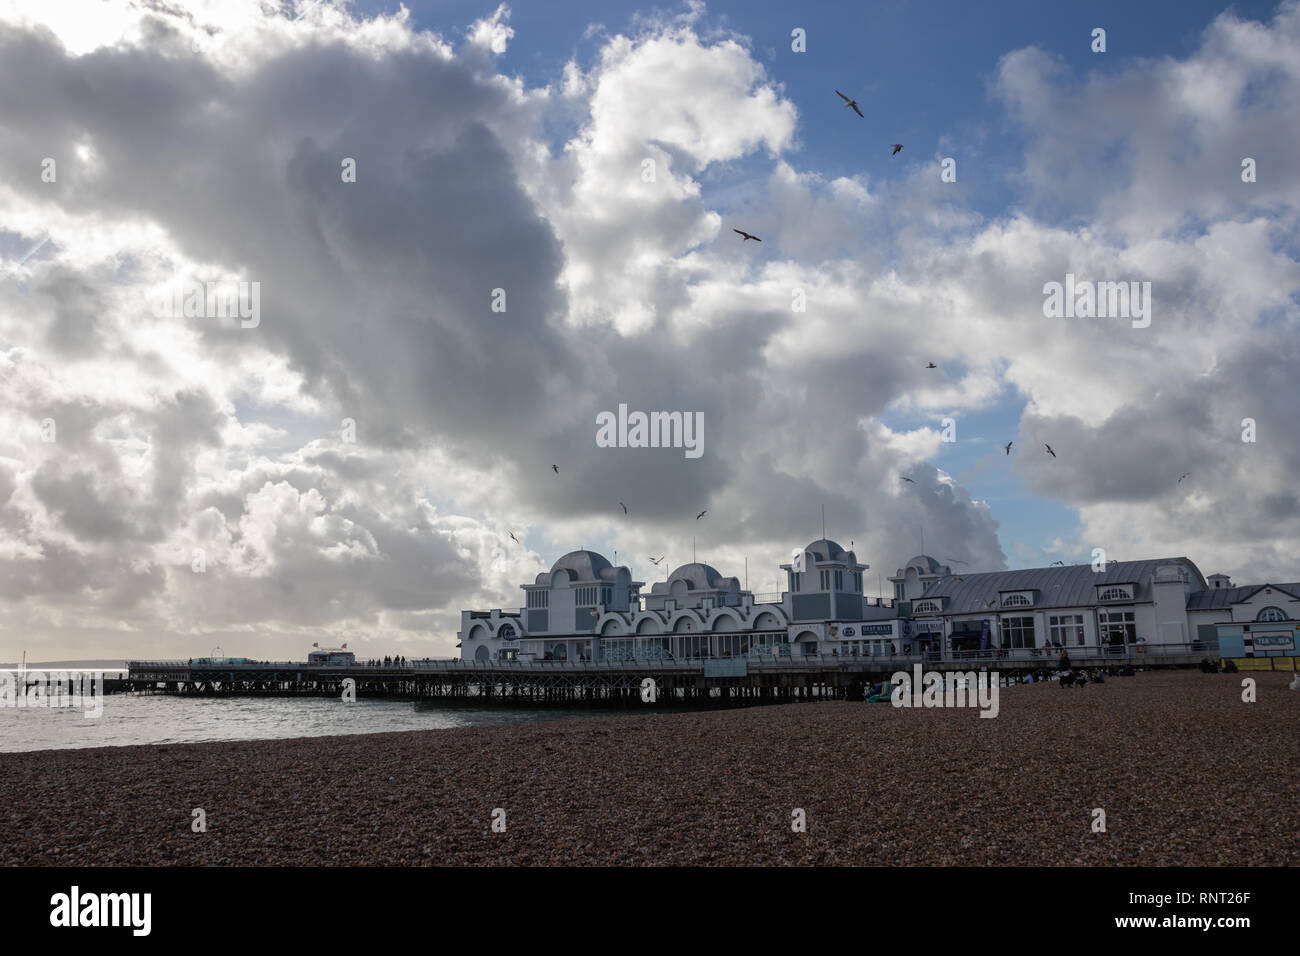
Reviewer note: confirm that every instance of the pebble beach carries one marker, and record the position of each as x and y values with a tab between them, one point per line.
1186	773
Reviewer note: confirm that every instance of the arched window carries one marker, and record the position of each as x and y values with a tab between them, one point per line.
1015	600
1271	614
506	632
1115	594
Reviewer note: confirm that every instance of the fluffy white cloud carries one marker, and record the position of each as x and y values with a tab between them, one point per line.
176	435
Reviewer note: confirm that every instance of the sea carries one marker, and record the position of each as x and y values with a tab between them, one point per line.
129	719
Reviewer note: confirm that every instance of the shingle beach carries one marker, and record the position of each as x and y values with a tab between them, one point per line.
1186	773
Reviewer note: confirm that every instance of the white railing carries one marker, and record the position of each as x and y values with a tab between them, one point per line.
1128	653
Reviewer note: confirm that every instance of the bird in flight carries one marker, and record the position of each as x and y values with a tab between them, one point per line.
897	147
932	365
701	514
1182	476
555	468
655	561
1008	447
991	603
1058	563
746	235
907	479
513	538
623	506
851	103
1049	449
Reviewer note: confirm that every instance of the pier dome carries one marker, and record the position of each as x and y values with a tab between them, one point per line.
583	566
824	549
924	564
700	577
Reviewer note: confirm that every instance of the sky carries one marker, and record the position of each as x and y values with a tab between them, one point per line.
463	230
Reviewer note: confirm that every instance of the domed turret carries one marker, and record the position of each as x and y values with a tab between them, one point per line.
824	549
583	566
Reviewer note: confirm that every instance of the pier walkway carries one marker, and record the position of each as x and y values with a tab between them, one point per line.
728	681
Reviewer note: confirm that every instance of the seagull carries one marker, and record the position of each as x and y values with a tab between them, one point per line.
932	365
851	103
701	514
655	561
991	603
1049	449
897	147
1181	477
907	479
1008	447
555	468
624	507
746	235
513	538
1055	563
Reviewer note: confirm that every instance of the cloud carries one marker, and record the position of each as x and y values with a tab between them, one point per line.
181	436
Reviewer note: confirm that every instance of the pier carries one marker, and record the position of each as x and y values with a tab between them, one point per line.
736	681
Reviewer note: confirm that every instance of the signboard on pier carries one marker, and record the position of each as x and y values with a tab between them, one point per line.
726	667
1274	641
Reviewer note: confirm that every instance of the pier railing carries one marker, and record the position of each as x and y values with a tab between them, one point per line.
1039	658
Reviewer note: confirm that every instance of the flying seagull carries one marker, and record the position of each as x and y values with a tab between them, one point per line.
851	103
907	479
1008	446
991	603
1181	477
623	506
655	561
555	468
746	235
932	365
513	538
701	514
1055	563
1049	449
897	147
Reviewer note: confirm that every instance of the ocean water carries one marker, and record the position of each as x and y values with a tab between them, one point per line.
158	719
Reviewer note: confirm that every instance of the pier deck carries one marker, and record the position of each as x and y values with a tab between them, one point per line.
725	681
